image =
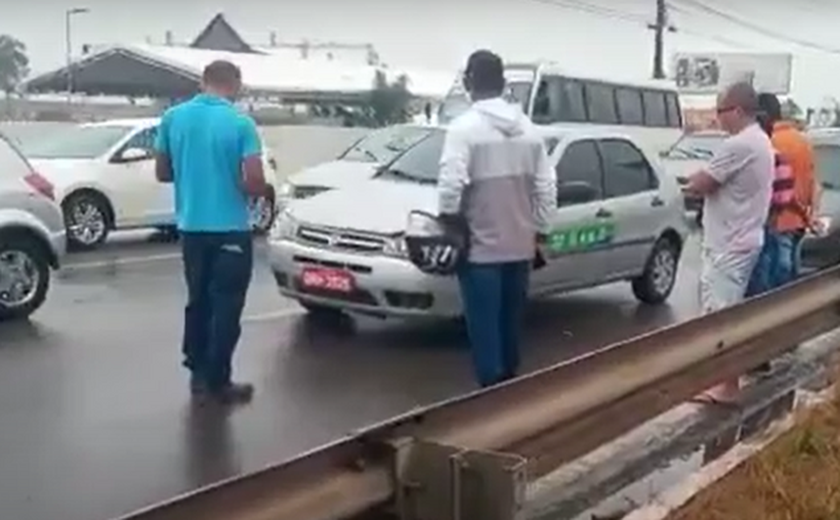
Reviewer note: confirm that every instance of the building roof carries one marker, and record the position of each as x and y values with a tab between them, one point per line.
170	71
220	35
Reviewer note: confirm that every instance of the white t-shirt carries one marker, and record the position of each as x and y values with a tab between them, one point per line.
734	216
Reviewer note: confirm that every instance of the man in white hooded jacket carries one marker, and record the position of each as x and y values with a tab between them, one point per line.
496	178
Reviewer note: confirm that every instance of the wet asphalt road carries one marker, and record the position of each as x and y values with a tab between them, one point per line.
95	414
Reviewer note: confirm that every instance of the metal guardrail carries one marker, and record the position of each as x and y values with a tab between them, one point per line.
470	457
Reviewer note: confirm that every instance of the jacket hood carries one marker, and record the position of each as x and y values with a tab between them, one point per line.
503	116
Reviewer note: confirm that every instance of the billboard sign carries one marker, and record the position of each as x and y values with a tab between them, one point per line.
709	73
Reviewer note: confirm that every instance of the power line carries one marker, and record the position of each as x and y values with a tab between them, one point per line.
601	11
759	29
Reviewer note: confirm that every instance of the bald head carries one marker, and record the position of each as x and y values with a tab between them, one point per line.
737	107
742	96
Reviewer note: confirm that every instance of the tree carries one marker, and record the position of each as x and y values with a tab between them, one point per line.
389	102
14	63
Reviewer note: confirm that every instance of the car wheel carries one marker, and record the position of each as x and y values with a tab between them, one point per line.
263	212
657	281
86	219
24	276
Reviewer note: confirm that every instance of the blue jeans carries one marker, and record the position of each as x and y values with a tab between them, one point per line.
217	269
778	263
494	298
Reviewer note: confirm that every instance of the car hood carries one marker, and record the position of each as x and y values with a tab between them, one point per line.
335	174
47	166
375	205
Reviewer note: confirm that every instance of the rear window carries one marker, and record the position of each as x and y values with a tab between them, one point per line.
12	163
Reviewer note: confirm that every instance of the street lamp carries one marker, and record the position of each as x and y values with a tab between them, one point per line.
68	15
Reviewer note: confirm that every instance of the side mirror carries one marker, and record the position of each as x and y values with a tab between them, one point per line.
578	192
133	154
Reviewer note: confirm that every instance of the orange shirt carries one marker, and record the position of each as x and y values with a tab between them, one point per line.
792	144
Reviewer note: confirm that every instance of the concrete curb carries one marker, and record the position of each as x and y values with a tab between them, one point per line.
676	497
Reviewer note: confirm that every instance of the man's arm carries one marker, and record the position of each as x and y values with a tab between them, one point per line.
163	161
253	181
545	193
454	174
728	160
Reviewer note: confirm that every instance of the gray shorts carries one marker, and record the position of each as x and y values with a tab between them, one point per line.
724	277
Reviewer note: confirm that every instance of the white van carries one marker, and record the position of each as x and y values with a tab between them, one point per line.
648	111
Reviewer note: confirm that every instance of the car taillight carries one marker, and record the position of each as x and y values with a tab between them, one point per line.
40	184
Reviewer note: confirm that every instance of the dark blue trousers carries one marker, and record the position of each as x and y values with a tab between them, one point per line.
217	268
494	298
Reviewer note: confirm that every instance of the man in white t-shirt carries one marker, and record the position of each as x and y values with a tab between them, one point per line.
736	187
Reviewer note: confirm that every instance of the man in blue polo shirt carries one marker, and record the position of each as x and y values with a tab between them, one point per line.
211	152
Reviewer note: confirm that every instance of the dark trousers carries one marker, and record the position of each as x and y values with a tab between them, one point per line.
217	268
494	298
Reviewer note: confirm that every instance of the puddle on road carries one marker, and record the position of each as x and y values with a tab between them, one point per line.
647	489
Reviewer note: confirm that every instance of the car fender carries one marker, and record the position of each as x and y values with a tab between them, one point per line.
15	218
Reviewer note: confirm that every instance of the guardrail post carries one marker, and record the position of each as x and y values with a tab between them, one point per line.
439	482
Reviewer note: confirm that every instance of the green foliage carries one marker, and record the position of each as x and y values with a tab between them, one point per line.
14	63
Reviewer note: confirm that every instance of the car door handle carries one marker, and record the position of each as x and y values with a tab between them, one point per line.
657	202
604	213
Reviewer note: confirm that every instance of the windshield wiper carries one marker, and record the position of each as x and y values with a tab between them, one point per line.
402	174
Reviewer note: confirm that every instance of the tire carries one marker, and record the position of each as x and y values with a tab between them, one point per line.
268	211
657	281
94	212
27	252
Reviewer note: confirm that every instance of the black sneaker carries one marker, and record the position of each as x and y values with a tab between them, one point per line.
234	393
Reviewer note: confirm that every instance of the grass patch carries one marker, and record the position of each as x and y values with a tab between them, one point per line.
796	478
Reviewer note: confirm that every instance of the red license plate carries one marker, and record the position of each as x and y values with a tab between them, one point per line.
333	280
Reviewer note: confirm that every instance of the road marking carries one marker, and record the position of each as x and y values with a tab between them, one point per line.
273	315
114	262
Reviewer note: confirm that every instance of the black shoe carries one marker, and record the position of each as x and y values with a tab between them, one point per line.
233	393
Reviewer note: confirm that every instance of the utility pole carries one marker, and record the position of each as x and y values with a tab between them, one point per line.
68	15
659	29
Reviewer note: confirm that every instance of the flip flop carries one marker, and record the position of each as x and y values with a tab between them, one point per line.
707	399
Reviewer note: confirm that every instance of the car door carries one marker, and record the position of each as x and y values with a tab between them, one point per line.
634	204
140	199
578	228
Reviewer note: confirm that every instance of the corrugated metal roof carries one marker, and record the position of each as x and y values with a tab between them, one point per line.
285	74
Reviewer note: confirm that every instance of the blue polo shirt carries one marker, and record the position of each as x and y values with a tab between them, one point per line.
206	139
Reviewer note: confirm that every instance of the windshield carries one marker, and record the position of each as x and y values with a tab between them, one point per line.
80	142
695	146
827	162
382	146
419	164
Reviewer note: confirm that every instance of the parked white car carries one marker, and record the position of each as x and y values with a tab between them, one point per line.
619	217
32	238
104	178
358	163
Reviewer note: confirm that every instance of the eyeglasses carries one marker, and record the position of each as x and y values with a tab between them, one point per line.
723	110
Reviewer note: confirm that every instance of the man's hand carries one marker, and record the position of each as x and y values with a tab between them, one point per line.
253	177
700	184
163	168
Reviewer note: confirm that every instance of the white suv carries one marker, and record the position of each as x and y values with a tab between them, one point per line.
619	217
32	237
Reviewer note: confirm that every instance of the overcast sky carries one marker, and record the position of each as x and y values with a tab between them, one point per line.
439	34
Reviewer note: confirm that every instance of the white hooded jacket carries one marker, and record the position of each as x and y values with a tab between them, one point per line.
495	172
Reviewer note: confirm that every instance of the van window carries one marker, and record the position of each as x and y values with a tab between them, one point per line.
600	104
581	163
630	111
626	171
656	112
12	163
558	100
674	114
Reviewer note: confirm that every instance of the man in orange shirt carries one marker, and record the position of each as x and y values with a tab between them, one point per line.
793	221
